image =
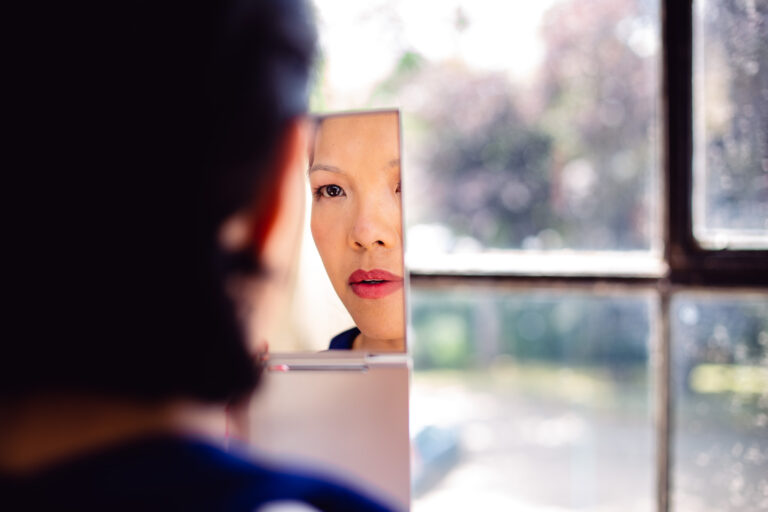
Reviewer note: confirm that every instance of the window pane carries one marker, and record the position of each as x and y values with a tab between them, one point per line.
527	125
731	110
531	401
720	393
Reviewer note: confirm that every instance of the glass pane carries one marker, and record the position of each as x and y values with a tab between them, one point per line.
731	111
720	393
531	400
527	125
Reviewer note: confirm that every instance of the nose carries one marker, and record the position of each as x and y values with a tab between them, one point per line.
376	224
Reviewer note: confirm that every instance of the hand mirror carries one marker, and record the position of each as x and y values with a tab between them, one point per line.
350	285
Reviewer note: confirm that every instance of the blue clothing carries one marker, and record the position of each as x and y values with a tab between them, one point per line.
172	473
345	340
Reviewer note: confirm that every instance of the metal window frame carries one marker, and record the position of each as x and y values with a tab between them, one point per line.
689	266
690	263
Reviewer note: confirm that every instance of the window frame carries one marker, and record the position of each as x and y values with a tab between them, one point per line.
687	266
690	263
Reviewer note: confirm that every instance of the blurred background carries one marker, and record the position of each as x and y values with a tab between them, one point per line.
527	125
532	139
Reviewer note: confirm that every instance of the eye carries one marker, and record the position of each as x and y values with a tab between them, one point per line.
329	191
397	190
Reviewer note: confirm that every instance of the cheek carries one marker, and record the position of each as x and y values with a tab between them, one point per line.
321	224
328	233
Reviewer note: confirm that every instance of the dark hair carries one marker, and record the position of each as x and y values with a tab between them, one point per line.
139	130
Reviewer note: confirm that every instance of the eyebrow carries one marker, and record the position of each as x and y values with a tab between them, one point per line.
323	167
332	168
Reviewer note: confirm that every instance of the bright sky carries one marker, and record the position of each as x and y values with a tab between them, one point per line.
363	39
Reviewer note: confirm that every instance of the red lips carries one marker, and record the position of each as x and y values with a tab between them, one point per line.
374	284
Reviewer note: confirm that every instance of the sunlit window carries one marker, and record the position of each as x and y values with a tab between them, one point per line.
720	386
529	126
572	344
731	147
532	401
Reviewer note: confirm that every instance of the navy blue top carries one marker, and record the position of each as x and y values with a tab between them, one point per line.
172	473
345	340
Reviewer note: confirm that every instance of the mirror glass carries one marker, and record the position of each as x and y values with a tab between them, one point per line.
349	290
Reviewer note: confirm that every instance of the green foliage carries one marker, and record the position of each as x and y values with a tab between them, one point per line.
442	336
408	66
480	327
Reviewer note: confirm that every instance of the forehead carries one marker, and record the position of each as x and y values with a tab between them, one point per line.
350	138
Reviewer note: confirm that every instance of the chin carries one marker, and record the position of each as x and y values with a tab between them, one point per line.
382	320
376	329
387	336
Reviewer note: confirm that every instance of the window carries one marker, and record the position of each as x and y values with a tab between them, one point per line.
719	382
731	95
541	399
585	200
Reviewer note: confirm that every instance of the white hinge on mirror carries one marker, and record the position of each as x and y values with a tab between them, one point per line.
334	361
323	361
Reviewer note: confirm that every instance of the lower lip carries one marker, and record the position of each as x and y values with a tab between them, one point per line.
376	291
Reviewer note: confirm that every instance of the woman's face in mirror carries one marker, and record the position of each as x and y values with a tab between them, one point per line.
356	220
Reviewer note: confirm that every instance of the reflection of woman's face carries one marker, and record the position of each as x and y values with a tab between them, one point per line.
356	219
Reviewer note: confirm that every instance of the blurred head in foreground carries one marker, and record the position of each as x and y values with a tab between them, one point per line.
160	147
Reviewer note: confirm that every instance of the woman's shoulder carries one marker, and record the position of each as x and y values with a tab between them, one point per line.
344	340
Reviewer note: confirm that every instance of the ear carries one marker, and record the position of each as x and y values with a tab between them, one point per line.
279	227
255	228
280	230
